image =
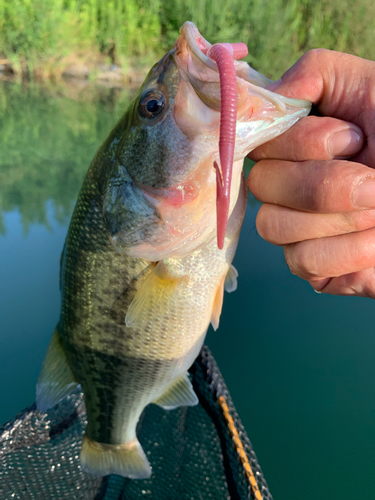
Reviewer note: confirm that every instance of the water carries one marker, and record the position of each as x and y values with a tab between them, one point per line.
300	366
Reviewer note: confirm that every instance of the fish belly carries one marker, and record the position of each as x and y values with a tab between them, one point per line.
130	330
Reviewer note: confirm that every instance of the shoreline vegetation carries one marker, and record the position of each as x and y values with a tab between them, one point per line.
115	42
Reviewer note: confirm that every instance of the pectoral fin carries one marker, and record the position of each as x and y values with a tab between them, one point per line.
217	305
56	379
179	393
230	284
156	294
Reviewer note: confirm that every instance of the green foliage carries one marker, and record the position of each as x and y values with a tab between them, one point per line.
277	32
133	26
47	142
28	28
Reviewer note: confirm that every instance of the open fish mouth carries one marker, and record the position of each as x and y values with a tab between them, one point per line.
222	56
200	63
218	79
197	115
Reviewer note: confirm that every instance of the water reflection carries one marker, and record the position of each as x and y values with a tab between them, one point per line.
48	138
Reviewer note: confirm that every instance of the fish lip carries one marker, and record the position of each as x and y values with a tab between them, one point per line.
193	39
191	33
198	46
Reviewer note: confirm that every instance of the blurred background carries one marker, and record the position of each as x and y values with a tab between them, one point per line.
41	37
300	366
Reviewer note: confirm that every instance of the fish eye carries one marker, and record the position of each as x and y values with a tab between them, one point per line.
152	104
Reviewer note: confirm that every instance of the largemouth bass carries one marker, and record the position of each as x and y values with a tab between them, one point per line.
141	274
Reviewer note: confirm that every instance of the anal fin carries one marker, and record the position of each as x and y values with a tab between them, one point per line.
101	459
179	393
56	379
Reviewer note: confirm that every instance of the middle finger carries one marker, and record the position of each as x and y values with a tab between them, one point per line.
325	186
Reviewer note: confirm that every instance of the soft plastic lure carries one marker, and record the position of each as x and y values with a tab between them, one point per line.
224	54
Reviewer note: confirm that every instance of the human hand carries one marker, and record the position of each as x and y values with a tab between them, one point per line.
319	194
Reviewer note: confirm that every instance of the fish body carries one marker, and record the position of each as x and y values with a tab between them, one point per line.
141	275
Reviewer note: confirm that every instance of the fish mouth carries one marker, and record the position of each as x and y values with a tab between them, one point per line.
191	56
212	72
238	93
196	67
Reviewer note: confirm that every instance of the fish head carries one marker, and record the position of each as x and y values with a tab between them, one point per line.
160	198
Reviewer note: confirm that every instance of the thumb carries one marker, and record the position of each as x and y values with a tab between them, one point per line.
339	84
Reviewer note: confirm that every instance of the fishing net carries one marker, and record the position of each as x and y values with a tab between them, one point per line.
199	452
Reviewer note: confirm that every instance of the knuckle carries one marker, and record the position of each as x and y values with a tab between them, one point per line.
261	223
321	187
315	55
366	219
360	284
309	140
363	283
252	180
357	221
264	223
301	260
349	222
316	190
268	226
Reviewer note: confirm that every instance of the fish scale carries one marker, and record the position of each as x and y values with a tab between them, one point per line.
141	274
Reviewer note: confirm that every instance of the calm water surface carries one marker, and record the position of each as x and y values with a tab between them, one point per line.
300	366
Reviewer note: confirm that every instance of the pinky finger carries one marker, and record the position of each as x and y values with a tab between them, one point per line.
314	260
360	284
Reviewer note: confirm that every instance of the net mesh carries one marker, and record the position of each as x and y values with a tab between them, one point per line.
199	452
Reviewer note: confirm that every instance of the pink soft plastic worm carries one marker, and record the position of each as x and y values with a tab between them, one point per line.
224	54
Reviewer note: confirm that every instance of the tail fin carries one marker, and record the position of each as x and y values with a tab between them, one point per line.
128	460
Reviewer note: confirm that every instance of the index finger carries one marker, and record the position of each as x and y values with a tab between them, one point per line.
313	137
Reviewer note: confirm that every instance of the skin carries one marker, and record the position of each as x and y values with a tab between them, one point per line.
317	180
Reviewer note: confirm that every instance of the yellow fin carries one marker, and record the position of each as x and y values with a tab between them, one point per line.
56	379
156	292
179	393
217	305
101	459
229	284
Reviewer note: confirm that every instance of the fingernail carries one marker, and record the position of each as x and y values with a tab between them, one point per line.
274	85
364	194
345	143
